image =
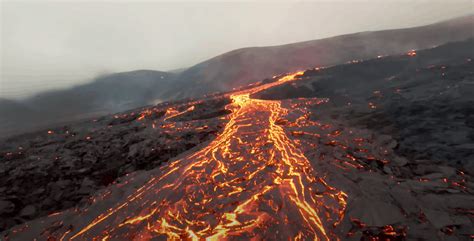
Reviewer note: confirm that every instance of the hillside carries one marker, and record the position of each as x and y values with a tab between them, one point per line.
104	95
425	101
375	149
122	91
243	66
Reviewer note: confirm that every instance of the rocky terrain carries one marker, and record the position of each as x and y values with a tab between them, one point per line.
424	101
68	164
390	196
380	148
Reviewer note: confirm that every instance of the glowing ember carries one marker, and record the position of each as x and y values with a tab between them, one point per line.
171	112
411	53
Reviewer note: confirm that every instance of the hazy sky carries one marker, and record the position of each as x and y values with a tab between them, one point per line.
47	44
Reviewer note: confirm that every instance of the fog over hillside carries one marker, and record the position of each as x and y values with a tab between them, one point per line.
48	45
243	66
122	91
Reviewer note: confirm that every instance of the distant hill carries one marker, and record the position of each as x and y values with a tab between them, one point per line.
12	113
114	92
243	66
106	94
122	91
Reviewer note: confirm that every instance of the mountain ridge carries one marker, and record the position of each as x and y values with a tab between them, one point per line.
307	54
240	67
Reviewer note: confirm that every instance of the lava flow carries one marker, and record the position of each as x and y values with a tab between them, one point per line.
252	181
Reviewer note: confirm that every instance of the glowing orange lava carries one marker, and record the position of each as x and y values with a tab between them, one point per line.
411	53
251	182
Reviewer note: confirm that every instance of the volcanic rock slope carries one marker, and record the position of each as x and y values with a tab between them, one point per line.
425	101
69	163
247	65
344	152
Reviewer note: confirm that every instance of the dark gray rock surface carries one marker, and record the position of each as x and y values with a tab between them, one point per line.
52	170
395	135
426	102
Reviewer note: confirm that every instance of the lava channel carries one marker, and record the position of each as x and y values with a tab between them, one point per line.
251	182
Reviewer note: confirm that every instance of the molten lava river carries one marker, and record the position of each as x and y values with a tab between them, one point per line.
251	182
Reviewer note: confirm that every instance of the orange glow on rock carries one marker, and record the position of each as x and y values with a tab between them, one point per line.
411	53
252	181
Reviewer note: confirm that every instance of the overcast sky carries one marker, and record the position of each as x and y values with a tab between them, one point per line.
47	44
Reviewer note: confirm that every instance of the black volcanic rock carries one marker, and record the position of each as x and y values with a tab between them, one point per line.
353	139
425	101
70	163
